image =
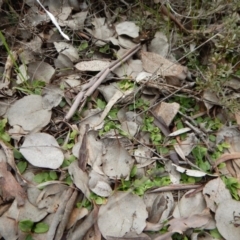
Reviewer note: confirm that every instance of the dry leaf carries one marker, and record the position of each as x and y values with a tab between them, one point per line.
29	113
10	187
94	65
127	28
227	219
188	206
154	63
123	213
42	150
118	166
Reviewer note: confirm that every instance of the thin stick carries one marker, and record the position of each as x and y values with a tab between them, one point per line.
97	80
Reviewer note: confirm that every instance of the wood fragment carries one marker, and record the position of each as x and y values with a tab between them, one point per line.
69	206
225	157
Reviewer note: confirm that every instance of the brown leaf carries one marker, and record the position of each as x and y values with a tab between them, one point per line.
180	225
10	187
153	62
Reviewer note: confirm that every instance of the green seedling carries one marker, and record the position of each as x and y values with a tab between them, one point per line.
199	153
139	104
97	199
85	203
105	49
3	134
83	46
33	87
71	141
45	177
22	166
29	226
68	161
233	185
126	85
215	234
101	104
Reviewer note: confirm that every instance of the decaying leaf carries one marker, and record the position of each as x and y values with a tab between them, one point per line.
167	111
28	211
99	184
10	187
117	162
180	225
128	28
215	192
188	206
94	65
80	178
8	228
153	62
123	213
159	44
29	113
42	150
68	50
227	219
40	71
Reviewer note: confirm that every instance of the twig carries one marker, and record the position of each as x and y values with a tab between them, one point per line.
59	213
94	82
66	215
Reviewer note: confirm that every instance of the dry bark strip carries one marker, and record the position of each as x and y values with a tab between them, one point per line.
227	156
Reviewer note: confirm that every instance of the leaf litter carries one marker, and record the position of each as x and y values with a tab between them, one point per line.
113	127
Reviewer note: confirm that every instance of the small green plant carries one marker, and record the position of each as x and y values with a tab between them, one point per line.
33	87
105	49
68	180
83	46
3	134
112	125
215	234
97	199
71	141
45	176
22	166
101	104
140	186
126	85
31	227
85	203
199	153
68	161
139	104
233	185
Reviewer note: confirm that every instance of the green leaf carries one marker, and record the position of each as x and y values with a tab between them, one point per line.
99	200
83	46
25	225
133	171
17	154
73	134
105	49
5	137
39	178
101	104
212	138
215	234
53	175
22	165
29	237
41	228
68	180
